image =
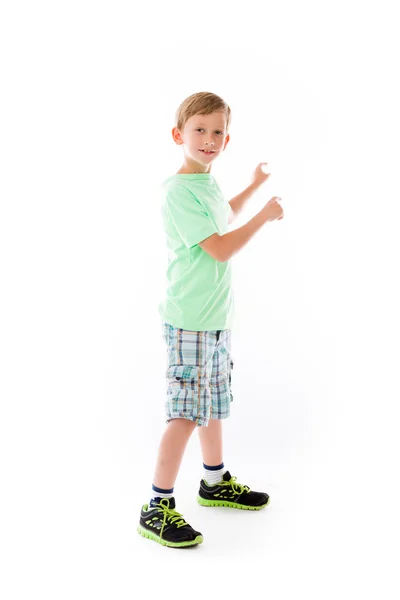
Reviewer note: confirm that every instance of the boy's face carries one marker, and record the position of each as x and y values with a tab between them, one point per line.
204	138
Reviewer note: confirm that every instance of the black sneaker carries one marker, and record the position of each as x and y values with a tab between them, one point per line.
164	525
232	494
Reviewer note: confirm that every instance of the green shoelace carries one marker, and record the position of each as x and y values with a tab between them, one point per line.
237	488
170	515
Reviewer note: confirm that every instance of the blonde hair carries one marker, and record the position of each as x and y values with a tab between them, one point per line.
201	103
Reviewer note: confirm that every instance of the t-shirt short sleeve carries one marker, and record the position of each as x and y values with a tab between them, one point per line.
188	215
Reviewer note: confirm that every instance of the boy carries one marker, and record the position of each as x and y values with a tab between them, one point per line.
197	318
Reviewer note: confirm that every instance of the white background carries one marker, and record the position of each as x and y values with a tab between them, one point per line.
89	92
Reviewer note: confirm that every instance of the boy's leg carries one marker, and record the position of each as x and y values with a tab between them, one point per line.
188	398
159	521
187	406
210	437
218	487
211	448
211	442
170	453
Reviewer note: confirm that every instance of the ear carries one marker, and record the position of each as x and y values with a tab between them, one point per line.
176	136
226	142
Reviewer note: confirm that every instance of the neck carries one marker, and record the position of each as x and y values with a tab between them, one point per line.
190	166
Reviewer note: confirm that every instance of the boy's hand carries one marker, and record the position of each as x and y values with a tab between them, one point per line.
273	209
259	175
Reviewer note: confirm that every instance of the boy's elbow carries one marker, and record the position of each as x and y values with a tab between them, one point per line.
219	256
222	258
214	247
222	255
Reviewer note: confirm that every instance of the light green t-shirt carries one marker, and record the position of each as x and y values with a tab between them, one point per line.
199	294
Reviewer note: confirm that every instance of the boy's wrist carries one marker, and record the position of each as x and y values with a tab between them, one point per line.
254	186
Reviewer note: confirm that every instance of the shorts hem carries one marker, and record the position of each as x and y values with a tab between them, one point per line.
220	417
199	420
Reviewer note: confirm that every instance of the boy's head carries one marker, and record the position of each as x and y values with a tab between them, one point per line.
202	124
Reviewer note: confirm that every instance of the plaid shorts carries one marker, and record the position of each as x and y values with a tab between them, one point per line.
198	374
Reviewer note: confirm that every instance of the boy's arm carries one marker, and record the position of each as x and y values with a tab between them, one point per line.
238	203
223	247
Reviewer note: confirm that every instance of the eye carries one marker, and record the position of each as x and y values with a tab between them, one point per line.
220	132
199	129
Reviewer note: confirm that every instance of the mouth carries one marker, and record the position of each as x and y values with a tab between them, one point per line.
207	152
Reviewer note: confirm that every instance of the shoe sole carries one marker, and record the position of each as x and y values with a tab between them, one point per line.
204	502
156	538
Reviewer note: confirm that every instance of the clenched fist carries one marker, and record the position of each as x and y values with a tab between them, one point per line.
273	209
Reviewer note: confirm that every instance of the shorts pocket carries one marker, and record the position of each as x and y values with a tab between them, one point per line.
182	391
